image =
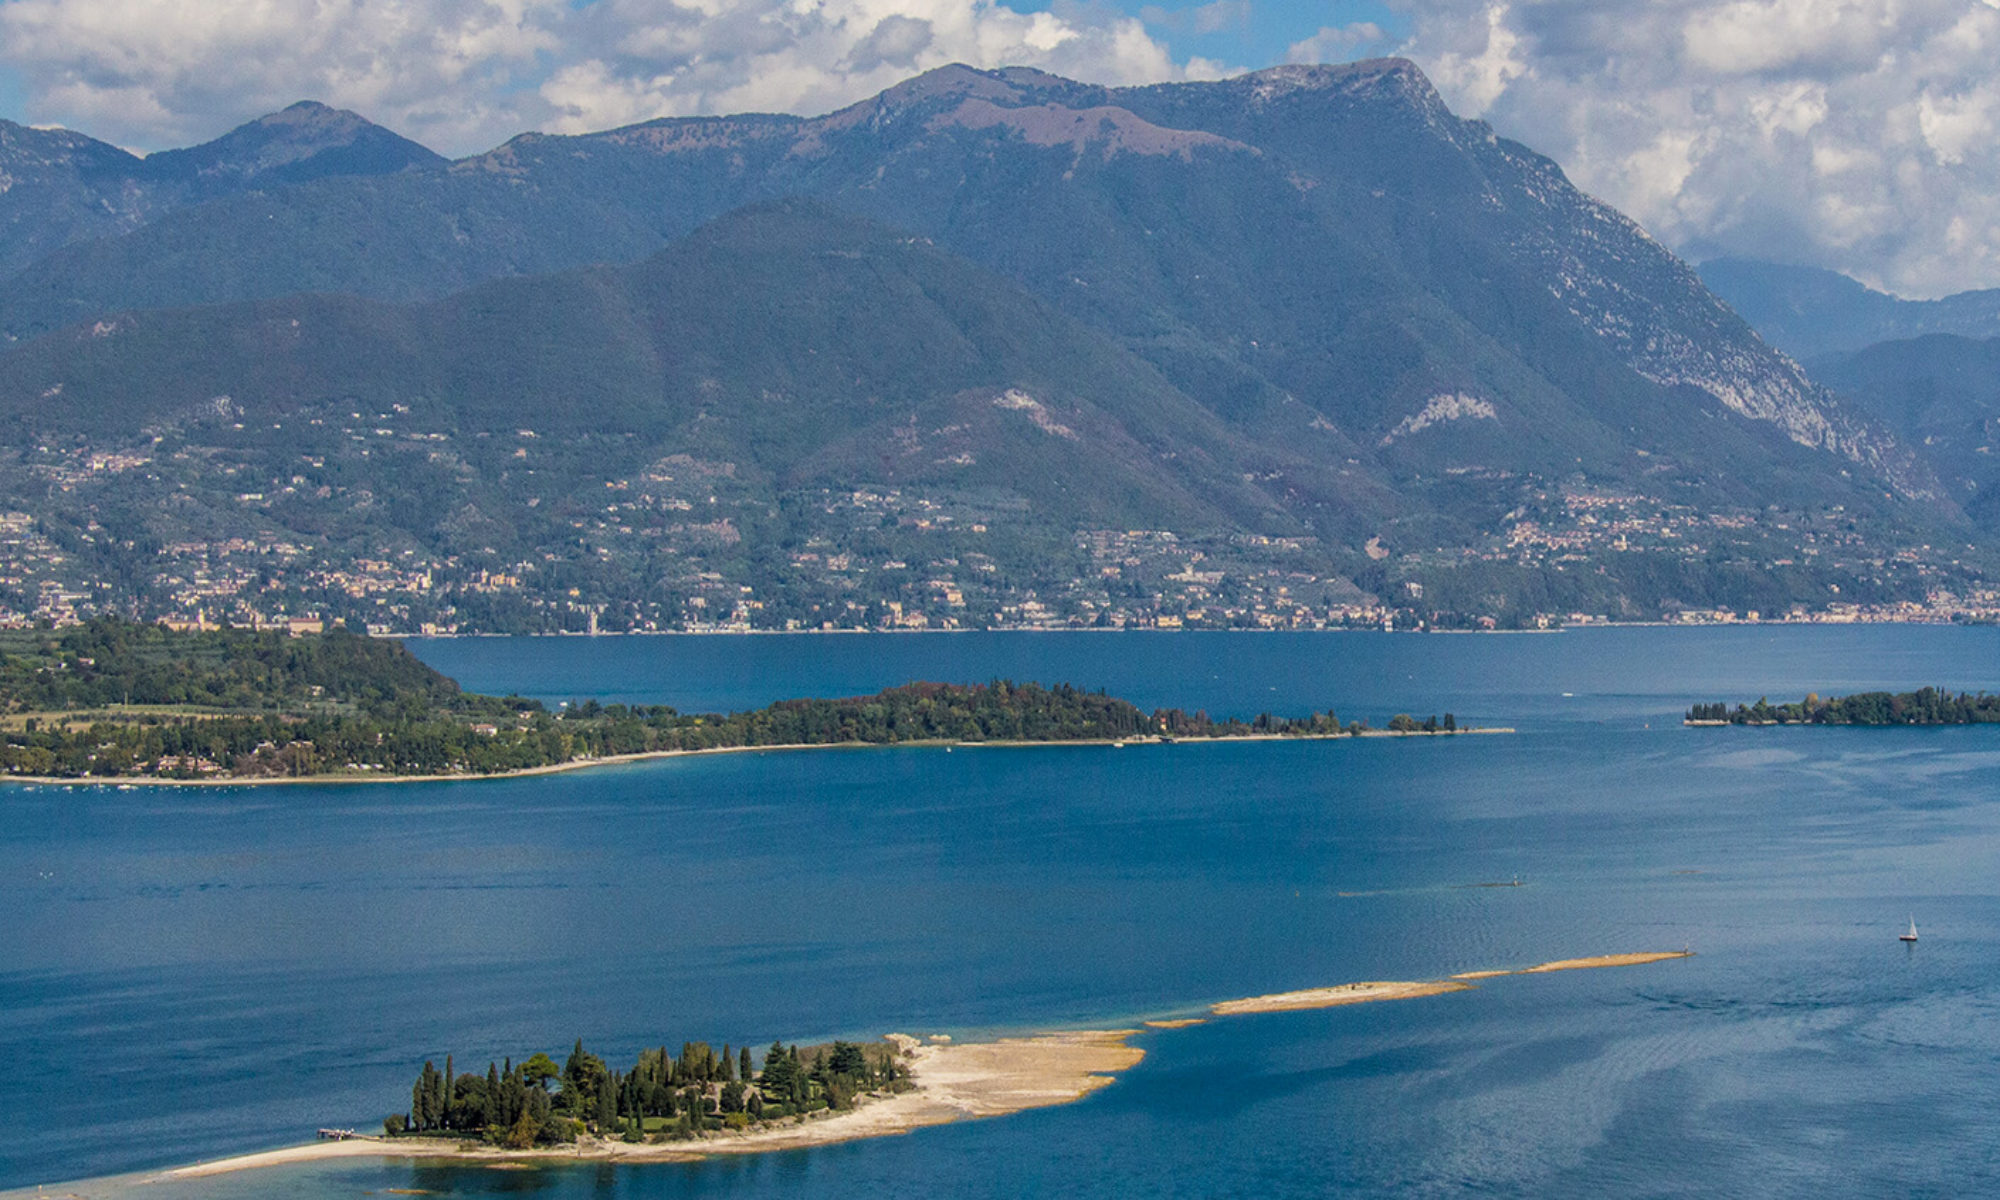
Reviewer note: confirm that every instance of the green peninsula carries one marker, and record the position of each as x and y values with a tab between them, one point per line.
116	700
1925	706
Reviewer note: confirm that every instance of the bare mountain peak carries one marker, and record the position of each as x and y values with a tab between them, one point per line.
925	93
1398	77
952	79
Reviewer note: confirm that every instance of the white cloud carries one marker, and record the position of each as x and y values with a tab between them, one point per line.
638	61
1855	134
151	74
462	75
1337	43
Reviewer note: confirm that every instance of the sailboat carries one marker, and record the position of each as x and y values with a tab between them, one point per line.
1910	936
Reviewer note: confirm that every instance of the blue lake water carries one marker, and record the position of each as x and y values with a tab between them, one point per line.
191	973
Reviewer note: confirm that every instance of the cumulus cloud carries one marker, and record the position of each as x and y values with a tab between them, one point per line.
462	75
1337	43
150	74
1854	134
637	58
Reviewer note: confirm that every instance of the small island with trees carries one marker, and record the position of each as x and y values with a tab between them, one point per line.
1925	706
116	700
664	1097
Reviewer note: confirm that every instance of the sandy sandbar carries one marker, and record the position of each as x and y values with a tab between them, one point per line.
1345	993
1363	993
1605	960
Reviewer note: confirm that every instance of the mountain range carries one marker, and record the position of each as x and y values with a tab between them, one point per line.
1809	312
1308	304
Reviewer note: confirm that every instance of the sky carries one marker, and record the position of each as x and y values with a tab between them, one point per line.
1858	135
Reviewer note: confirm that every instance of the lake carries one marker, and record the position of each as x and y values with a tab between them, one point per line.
191	973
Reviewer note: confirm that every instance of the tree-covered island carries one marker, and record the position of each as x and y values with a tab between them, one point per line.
1925	706
663	1097
116	700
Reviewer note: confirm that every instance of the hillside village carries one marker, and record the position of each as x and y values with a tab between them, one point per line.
884	558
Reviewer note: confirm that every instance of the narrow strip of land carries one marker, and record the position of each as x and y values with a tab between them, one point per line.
1363	993
615	760
1332	997
952	1082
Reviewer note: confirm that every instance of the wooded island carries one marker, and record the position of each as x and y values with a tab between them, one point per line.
116	700
1925	706
663	1097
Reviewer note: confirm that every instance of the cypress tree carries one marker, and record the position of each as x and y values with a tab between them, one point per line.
743	1067
607	1108
420	1098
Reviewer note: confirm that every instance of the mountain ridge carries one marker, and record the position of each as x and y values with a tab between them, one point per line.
1407	348
949	123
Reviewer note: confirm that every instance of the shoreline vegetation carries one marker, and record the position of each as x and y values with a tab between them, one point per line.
114	702
818	1095
1925	706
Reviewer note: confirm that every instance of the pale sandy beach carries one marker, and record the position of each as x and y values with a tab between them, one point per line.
1362	993
1606	960
1331	997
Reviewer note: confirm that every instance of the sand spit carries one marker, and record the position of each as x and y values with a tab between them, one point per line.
1363	993
954	1082
314	1152
1330	997
1177	1023
1605	960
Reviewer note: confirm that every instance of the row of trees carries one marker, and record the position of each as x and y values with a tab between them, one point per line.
1405	723
1925	706
664	1095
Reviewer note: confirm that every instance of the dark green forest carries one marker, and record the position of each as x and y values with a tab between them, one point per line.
1925	706
663	1096
107	661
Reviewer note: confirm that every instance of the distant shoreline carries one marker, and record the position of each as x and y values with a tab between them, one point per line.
619	760
1561	629
953	1082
